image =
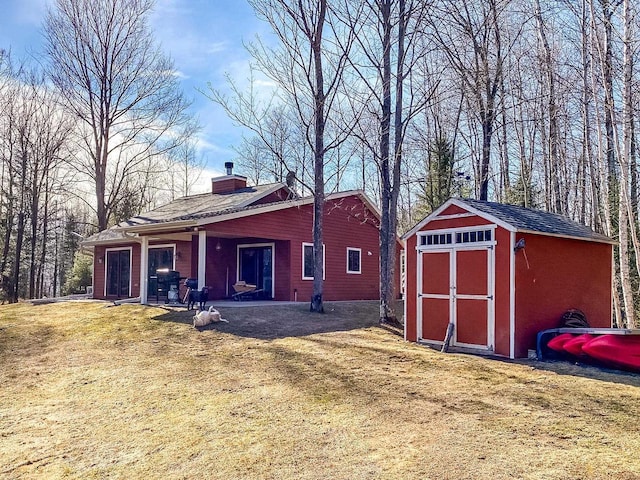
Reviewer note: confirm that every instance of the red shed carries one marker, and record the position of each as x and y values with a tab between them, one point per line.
501	273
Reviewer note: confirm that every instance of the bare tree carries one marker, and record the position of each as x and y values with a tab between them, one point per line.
185	168
471	34
116	81
277	145
554	198
389	48
626	220
307	65
46	140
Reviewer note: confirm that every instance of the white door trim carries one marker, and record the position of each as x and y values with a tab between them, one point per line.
106	265
273	261
452	296
489	298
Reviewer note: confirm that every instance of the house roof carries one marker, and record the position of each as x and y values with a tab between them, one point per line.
520	219
154	222
197	210
204	205
110	235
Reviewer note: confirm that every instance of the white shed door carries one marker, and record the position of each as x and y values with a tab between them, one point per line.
455	285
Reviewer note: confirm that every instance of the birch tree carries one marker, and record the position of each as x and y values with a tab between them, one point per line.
471	36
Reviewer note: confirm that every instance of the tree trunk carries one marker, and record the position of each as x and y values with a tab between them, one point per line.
556	203
16	265
626	219
385	141
34	237
487	133
318	199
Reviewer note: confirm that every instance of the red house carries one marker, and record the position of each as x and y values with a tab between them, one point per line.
501	273
261	235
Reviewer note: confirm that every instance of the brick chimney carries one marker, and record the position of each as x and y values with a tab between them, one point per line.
228	183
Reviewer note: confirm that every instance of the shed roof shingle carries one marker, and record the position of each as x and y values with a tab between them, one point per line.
528	219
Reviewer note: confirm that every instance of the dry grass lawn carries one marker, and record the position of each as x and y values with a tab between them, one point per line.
96	391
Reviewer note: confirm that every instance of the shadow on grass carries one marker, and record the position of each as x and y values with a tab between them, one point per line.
23	340
270	322
561	367
593	372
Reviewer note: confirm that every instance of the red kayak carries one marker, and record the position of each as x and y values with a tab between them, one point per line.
557	343
574	346
619	350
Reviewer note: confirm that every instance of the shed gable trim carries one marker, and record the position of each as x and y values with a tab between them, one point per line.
569	237
435	215
454	215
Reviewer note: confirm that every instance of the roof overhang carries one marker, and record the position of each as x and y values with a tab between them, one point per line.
110	241
159	227
133	233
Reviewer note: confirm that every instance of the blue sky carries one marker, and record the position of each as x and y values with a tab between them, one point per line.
204	38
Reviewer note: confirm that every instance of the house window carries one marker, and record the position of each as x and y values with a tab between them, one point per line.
353	260
307	262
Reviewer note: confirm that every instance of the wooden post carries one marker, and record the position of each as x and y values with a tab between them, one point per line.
447	338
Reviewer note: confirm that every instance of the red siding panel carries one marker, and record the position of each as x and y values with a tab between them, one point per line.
452	210
347	223
556	275
455	223
502	291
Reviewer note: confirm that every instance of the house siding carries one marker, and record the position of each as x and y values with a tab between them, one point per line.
348	223
99	263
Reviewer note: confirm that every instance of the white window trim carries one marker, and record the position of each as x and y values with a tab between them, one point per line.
453	232
106	266
324	260
359	250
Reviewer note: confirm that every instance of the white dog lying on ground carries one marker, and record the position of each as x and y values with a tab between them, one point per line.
205	317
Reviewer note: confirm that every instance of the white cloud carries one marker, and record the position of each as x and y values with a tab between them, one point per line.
203	185
217	47
179	74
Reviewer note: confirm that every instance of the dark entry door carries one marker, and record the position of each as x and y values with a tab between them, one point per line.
159	258
119	273
256	268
